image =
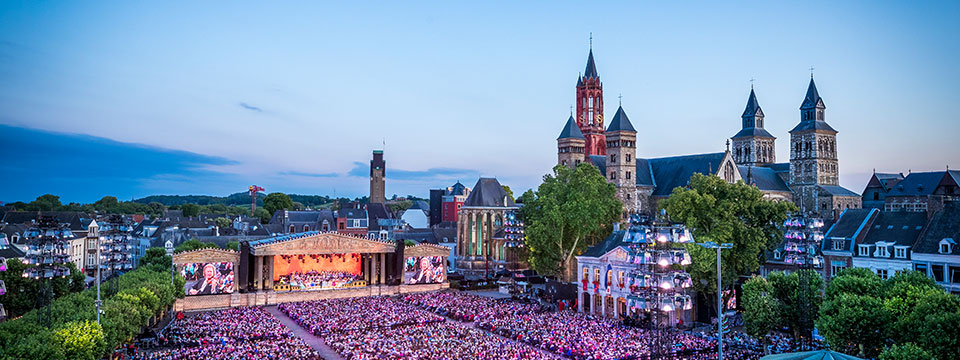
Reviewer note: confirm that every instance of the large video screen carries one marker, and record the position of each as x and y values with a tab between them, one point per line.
423	270
310	272
208	278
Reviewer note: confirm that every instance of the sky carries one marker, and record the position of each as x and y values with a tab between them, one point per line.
137	98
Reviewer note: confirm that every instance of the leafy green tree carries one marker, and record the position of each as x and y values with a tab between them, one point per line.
194	244
156	208
156	257
571	210
762	310
233	245
263	215
508	191
190	210
223	222
907	351
857	281
47	202
721	212
935	315
277	201
82	340
785	289
854	324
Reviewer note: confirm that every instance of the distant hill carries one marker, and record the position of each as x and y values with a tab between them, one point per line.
237	199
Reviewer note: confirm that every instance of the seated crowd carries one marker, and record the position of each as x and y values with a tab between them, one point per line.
236	333
322	317
467	307
436	341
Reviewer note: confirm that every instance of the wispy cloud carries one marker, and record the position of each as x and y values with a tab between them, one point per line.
319	175
363	170
250	107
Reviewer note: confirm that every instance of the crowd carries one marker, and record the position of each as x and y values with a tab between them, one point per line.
314	279
435	341
467	307
236	333
323	317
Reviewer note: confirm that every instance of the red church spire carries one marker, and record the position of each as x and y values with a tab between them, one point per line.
590	107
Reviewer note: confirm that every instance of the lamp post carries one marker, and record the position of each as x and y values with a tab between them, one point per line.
169	247
713	245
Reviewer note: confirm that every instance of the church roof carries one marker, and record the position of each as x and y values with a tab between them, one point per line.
766	179
571	130
754	132
671	172
620	122
813	125
488	193
918	184
457	189
752	105
644	173
837	190
600	162
591	70
812	97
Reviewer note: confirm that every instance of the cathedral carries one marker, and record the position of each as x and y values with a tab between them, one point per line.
810	179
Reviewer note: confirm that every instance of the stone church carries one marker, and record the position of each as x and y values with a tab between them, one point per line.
810	179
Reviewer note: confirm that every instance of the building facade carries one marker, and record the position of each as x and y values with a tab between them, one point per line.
378	173
480	251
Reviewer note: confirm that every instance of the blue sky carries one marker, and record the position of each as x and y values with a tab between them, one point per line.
207	98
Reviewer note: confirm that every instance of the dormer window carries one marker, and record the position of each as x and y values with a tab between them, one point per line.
864	250
900	252
881	252
776	254
946	245
838	244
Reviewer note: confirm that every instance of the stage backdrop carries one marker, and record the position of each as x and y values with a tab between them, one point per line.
208	278
284	265
423	270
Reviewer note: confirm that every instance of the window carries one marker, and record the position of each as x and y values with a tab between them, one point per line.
628	161
586	274
356	223
596	275
955	274
836	267
613	158
306	228
881	252
921	268
776	254
628	196
864	250
613	175
838	244
944	247
900	253
293	228
937	272
620	277
882	273
876	195
628	175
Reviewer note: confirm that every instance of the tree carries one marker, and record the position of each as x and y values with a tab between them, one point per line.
277	201
190	210
720	212
82	340
907	351
762	310
157	208
233	245
156	257
571	209
857	281
508	191
853	324
47	202
223	222
194	244
263	215
785	290
932	324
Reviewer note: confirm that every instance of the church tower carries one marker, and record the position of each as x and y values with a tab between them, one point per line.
753	145
570	145
378	171
590	108
622	160
813	151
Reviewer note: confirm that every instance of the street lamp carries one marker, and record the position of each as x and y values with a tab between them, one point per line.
169	247
713	245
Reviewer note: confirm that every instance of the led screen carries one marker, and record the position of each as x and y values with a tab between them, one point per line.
208	278
423	270
309	272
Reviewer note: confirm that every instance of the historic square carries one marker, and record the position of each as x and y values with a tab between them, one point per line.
379	181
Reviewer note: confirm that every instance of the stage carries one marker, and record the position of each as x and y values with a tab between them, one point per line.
307	266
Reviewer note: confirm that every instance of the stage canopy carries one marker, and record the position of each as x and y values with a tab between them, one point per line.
319	243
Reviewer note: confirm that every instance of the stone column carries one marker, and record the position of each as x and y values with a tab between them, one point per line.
383	269
269	272
258	272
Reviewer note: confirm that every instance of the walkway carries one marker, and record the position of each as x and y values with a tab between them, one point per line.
315	342
473	325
